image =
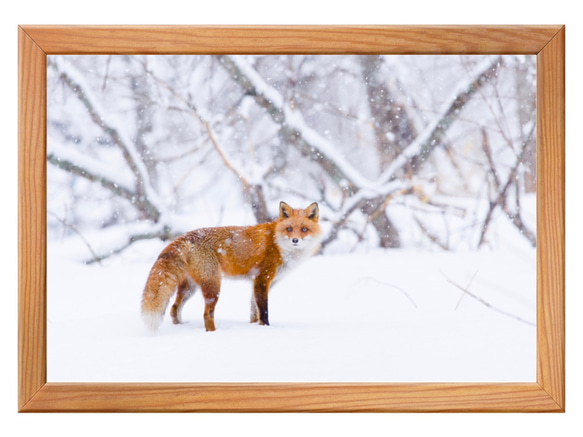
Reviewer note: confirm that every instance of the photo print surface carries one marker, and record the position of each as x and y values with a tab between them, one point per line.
424	172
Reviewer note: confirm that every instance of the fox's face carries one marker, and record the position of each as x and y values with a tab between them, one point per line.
297	231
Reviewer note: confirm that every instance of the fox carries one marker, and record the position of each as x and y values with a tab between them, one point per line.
200	258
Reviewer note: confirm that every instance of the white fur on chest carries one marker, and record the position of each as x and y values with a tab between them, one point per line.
294	254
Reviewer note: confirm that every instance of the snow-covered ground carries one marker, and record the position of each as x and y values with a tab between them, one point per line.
381	316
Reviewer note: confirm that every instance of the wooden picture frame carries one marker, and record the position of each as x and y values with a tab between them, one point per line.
547	394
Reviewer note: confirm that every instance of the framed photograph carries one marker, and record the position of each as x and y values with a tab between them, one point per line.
426	162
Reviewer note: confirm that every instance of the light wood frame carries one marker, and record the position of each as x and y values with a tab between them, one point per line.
547	394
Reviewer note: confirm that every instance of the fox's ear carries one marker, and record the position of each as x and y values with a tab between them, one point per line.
312	212
285	211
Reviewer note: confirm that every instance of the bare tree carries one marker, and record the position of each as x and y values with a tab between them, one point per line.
141	195
288	125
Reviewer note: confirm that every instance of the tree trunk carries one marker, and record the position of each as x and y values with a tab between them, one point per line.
393	129
387	232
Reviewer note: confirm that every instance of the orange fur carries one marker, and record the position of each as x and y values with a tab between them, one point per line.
201	257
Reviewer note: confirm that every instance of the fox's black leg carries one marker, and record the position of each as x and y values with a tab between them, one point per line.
260	292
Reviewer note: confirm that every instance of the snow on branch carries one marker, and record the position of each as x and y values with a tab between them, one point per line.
429	138
76	82
294	128
93	171
424	143
293	118
321	150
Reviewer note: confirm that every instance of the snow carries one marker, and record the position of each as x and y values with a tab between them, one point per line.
381	316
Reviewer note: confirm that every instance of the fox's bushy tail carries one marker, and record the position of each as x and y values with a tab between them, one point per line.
160	287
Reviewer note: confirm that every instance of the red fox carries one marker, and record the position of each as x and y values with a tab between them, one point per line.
201	257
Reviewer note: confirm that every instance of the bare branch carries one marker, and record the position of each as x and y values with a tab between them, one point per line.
164	234
144	195
142	203
500	200
310	144
131	157
70	226
433	238
386	284
488	305
252	189
293	129
420	149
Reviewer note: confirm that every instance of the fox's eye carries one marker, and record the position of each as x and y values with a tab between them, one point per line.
289	229
304	229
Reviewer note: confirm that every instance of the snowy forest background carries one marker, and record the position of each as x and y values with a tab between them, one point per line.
405	155
399	151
